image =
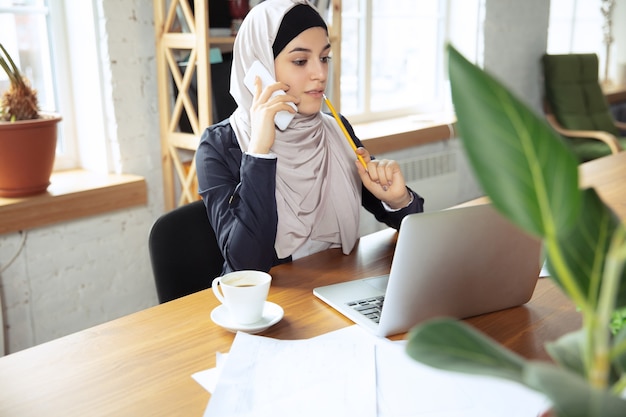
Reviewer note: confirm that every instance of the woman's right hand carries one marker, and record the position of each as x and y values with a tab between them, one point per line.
264	108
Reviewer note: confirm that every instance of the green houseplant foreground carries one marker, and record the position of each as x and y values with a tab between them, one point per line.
531	177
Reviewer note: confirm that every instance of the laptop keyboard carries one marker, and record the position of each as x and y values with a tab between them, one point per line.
369	307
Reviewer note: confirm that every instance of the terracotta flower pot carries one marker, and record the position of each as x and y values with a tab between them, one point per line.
27	151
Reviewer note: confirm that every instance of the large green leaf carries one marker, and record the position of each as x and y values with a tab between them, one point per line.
521	163
567	351
570	394
446	343
585	246
449	344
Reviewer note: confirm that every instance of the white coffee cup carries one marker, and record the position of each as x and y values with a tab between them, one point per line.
243	293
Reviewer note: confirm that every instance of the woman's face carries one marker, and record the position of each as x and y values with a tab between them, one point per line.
303	65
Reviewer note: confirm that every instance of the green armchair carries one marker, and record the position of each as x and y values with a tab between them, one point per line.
576	107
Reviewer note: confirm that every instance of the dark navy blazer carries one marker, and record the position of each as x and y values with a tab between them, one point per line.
239	193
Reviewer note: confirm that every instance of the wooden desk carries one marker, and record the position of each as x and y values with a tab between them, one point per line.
141	365
608	176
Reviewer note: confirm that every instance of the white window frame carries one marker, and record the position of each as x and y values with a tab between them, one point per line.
67	150
453	26
53	12
92	114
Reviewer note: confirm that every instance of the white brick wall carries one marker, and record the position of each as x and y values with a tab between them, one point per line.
76	275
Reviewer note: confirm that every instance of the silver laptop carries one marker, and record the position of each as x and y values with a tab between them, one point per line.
459	262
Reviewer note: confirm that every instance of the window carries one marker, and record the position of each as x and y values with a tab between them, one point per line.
392	54
32	32
576	26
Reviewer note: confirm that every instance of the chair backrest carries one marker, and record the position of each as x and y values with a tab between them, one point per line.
184	252
573	92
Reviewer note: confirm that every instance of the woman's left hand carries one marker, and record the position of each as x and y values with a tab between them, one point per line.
384	179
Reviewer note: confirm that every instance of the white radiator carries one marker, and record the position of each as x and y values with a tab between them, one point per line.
434	176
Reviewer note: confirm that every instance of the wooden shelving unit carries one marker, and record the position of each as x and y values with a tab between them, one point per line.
181	31
182	34
335	38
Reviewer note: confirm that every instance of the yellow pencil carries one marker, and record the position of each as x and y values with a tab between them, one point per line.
344	130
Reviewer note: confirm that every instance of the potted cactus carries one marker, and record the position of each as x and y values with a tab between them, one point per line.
27	136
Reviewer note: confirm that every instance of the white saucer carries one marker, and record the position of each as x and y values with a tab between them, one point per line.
272	314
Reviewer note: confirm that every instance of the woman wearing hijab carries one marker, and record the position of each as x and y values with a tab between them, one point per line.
276	195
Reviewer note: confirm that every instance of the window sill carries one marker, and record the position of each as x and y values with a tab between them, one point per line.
615	93
406	132
71	195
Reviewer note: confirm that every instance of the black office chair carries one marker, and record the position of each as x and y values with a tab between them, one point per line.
184	253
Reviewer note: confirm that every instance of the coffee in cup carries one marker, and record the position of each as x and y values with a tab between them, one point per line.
243	293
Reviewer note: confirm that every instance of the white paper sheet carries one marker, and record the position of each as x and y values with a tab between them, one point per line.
304	378
208	378
409	388
404	387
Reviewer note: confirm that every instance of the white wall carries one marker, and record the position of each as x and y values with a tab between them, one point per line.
74	275
515	37
618	50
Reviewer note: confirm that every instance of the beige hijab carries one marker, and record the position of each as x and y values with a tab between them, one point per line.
318	190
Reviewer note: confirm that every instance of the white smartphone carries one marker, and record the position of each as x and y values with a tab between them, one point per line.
282	118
